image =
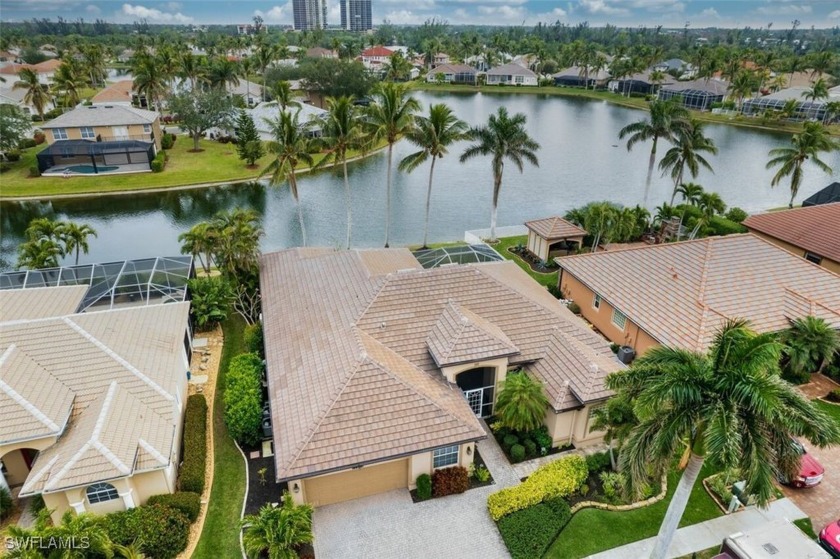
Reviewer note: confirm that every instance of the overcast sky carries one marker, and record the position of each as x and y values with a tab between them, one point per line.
669	13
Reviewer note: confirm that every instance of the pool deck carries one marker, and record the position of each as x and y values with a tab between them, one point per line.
61	170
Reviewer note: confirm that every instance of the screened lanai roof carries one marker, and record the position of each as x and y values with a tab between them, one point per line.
460	254
146	281
67	148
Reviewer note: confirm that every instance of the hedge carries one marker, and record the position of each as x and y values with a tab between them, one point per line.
161	531
254	339
243	398
195	445
186	502
528	533
450	481
555	479
158	162
722	226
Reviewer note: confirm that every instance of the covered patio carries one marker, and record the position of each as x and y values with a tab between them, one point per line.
86	157
553	236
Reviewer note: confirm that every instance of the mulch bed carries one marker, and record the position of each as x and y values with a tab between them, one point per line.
261	493
535	266
474	483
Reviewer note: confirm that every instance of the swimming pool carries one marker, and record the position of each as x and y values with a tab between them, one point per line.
85	169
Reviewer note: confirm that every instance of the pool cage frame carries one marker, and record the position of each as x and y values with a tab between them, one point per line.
692	98
145	281
96	154
805	110
458	254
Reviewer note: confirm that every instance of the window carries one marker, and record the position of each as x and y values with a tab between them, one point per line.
619	319
810	257
88	133
446	456
519	79
59	134
101	493
147	128
596	303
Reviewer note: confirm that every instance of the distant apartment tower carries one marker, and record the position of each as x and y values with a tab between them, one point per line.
309	14
356	15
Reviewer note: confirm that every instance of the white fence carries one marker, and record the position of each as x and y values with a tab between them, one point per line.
477	236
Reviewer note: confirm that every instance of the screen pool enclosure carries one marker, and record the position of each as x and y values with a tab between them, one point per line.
457	254
147	281
89	157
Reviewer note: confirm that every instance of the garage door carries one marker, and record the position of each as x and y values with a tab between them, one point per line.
353	484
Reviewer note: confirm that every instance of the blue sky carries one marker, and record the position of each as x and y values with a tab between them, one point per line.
670	13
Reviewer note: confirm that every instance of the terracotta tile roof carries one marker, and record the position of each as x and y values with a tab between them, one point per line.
461	336
351	377
40	302
551	228
815	228
452	69
119	92
681	293
377	51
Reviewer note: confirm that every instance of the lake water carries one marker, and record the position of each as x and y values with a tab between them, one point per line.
581	160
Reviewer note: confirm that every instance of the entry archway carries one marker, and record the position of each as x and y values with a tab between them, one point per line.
478	386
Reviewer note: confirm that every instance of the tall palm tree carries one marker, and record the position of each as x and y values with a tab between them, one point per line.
504	137
93	58
667	119
265	55
389	117
75	238
818	90
283	95
199	242
37	94
291	145
37	254
686	153
341	131
190	68
742	85
433	135
808	144
235	237
728	405
150	80
521	402
67	80
690	192
810	343
223	73
616	419
277	532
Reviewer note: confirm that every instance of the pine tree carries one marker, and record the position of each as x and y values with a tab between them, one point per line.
248	144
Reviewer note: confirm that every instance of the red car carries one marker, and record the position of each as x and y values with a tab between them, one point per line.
810	471
830	539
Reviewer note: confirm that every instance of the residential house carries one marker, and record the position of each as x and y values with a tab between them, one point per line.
576	76
452	73
676	67
511	74
814	109
45	70
680	294
812	232
640	83
699	94
441	58
117	93
250	92
375	57
320	52
378	370
92	403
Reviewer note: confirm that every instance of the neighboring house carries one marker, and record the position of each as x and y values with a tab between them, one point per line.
441	58
118	93
264	112
320	52
251	93
696	94
373	57
575	76
452	73
379	370
92	403
553	233
640	84
811	232
672	65
805	108
45	70
680	294
827	195
511	74
10	95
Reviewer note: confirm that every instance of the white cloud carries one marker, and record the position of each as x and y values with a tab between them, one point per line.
405	17
276	14
174	6
552	15
784	10
601	7
659	5
154	15
834	15
93	10
710	12
502	12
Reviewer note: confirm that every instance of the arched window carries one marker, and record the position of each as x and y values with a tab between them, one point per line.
101	492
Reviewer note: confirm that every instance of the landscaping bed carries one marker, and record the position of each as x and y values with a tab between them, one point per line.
477	476
532	444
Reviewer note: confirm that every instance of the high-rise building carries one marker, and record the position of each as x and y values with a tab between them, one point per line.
309	14
356	15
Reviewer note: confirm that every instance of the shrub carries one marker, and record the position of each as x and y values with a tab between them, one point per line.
612	484
480	473
39	138
166	141
736	214
722	226
5	167
509	440
528	533
13	155
191	476
254	339
450	481
54	113
614	348
27	143
161	531
720	488
542	438
530	448
210	301
574	307
424	487
6	503
186	502
834	396
34	171
36	505
517	453
158	162
243	398
598	462
555	479
795	377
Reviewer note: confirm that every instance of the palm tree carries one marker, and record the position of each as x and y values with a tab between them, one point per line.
819	90
667	119
521	403
37	254
810	343
87	527
504	137
37	94
710	204
93	58
598	220
75	238
433	135
728	404
283	95
808	144
342	130
277	531
616	419
190	68
66	79
199	240
46	228
223	73
291	145
686	153
690	193
235	237
389	117
743	84
265	55
149	80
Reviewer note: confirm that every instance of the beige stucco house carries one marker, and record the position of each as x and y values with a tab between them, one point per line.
106	123
92	403
679	294
379	370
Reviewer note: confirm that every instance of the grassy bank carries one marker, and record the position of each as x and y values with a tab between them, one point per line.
502	247
220	536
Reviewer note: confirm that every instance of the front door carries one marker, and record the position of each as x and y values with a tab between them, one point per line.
478	387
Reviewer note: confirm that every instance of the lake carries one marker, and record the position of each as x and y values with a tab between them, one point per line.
581	160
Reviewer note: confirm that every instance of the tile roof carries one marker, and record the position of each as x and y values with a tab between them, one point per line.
377	51
510	69
118	92
452	69
102	115
551	228
681	293
813	228
40	302
715	86
461	336
351	376
580	72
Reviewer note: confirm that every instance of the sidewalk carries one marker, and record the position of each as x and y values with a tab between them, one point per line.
708	534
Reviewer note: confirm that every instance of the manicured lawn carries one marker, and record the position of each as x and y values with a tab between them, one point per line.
502	247
592	531
806	526
831	409
220	535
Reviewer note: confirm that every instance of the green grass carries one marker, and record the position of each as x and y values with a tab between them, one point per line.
806	526
505	243
614	529
220	535
833	410
704	554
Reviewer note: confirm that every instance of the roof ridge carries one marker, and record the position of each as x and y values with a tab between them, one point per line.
152	450
704	273
17	397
